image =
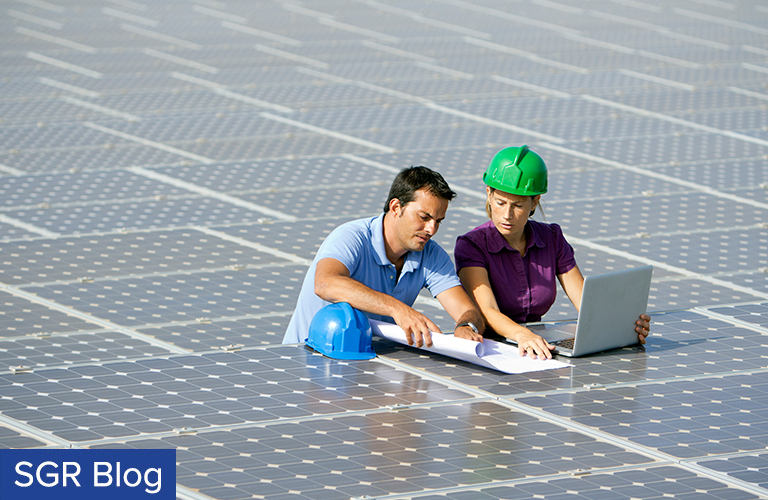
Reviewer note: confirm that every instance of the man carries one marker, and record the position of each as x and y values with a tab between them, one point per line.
380	265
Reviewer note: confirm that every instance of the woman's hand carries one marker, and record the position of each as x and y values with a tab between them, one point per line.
643	327
477	284
533	345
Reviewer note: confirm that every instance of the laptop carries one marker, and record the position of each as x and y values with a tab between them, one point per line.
610	305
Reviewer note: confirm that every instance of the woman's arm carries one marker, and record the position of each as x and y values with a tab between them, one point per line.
573	284
478	286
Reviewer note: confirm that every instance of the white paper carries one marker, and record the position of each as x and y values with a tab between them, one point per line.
490	354
506	358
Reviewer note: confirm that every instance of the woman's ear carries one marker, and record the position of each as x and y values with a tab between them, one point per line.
536	201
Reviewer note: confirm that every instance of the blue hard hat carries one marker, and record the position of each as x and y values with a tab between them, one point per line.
341	332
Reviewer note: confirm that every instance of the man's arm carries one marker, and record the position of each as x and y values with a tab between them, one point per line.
334	284
457	303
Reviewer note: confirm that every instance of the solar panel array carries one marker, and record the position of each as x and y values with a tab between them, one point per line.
169	168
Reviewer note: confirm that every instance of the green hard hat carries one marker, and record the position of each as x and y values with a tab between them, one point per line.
517	171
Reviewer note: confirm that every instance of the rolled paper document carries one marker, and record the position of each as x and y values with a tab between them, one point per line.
447	345
488	353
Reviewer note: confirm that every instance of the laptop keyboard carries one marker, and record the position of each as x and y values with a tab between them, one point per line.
565	343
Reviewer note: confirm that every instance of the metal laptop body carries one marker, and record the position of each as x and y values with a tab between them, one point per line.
610	305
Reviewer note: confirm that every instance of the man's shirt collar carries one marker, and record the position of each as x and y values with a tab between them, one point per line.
412	259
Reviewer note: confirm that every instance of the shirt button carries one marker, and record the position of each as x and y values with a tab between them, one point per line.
391	277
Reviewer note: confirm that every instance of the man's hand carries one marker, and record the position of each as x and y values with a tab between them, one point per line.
466	332
416	326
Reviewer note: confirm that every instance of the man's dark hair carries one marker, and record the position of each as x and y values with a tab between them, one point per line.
411	179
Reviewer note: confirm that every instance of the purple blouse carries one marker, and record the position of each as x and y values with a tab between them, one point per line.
525	287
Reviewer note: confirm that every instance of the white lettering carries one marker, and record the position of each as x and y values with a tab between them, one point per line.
25	474
105	474
127	480
53	475
156	485
97	474
72	476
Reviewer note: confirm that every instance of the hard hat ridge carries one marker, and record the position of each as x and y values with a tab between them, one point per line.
519	171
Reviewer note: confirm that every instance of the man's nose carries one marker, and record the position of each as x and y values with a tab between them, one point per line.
431	227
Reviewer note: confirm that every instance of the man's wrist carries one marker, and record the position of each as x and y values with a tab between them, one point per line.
468	324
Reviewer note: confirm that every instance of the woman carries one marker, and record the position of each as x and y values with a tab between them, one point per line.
509	264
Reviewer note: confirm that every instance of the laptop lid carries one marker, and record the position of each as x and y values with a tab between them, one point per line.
610	305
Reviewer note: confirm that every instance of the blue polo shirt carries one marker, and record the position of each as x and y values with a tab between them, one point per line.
359	245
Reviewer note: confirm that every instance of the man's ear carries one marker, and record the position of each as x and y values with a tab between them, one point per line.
395	207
